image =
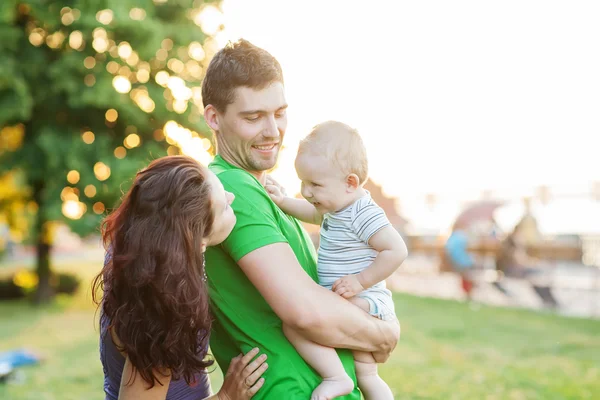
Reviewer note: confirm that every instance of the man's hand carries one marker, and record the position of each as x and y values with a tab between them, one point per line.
347	286
275	190
391	342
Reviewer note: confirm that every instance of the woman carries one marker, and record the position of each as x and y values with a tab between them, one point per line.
155	319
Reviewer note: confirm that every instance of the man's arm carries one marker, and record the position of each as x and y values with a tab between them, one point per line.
315	312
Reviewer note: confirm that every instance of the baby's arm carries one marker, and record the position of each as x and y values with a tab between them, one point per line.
297	208
372	226
392	253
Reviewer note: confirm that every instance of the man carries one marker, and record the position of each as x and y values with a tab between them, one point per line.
265	272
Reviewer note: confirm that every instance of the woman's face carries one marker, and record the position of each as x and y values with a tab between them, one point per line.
223	213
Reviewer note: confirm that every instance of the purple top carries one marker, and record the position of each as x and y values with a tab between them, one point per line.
113	363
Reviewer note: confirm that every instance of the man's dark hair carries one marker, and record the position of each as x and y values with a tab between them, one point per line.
238	64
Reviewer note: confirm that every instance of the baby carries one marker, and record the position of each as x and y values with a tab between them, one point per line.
358	249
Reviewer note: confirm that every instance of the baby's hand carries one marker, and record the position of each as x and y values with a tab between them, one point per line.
347	286
275	190
275	194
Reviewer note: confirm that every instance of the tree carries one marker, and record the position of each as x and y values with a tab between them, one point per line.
89	91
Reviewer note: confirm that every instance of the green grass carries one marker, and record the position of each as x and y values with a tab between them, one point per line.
447	351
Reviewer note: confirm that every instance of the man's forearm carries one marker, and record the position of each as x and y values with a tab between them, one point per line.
341	324
313	311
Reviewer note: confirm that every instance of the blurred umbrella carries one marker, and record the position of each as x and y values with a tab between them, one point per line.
481	211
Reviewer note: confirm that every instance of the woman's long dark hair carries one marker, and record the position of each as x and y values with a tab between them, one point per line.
153	293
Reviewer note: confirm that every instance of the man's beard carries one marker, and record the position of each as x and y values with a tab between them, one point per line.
257	164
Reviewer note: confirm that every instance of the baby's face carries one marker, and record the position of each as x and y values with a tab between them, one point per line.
323	183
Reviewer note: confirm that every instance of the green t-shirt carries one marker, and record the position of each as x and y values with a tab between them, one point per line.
242	318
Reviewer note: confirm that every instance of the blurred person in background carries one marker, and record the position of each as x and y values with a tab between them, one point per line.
514	262
461	260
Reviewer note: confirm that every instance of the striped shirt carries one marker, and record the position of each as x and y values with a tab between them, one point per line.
344	245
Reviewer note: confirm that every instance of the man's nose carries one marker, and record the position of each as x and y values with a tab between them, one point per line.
271	130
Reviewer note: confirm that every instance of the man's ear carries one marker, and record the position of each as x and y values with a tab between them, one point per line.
211	117
352	182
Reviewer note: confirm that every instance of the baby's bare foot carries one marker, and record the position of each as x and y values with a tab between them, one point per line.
333	387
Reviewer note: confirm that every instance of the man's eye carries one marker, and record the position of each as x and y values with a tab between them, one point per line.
253	118
315	184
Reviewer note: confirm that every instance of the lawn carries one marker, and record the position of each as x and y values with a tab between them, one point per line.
448	350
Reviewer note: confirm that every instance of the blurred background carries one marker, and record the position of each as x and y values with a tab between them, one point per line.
482	128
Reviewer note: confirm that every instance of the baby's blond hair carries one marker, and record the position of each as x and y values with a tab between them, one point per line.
340	144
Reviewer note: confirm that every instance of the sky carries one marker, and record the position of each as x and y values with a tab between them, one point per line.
451	98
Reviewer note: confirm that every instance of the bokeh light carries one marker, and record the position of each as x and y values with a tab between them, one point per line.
73	177
111	115
90	191
73	209
121	84
132	140
88	137
102	171
104	16
120	152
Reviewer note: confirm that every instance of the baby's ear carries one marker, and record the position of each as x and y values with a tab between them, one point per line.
352	182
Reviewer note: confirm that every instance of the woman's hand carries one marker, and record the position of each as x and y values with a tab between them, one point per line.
243	378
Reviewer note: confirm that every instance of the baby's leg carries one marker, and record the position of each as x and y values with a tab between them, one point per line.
326	362
369	382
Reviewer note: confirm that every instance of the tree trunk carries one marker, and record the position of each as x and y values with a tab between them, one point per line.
45	291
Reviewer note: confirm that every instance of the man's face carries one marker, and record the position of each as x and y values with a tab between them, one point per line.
251	130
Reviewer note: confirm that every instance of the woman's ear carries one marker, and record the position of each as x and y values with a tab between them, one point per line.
203	245
352	182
